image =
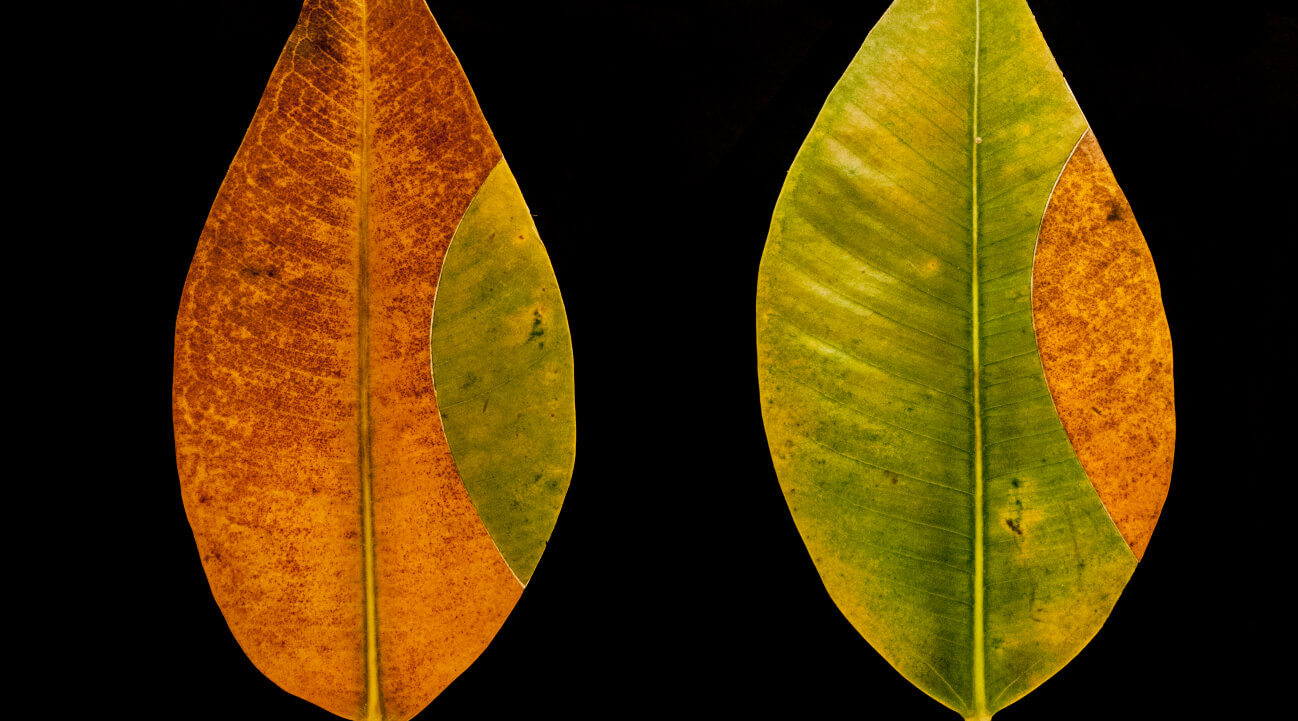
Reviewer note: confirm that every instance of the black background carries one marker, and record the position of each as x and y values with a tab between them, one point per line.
650	141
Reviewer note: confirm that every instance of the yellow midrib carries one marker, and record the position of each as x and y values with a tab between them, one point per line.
979	520
373	706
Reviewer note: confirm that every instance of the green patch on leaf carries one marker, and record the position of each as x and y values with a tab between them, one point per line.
502	368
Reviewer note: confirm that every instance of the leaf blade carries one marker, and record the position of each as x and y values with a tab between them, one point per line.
339	540
906	220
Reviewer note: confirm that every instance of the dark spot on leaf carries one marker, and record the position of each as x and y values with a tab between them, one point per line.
252	271
320	41
537	329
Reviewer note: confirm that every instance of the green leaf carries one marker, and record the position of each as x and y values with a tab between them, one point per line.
909	418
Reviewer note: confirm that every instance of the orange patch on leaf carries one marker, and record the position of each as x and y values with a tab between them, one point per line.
1105	343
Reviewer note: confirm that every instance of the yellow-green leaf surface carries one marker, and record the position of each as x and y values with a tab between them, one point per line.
909	418
502	368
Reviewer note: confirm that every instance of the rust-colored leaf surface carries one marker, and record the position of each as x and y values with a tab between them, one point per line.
1105	343
336	533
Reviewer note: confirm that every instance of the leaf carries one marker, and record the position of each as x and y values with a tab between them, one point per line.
370	483
964	363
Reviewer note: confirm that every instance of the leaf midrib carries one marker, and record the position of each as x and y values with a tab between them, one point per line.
373	705
979	519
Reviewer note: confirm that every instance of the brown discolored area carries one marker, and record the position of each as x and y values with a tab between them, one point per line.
1105	343
302	368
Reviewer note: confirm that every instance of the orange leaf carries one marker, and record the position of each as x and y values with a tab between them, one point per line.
336	532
